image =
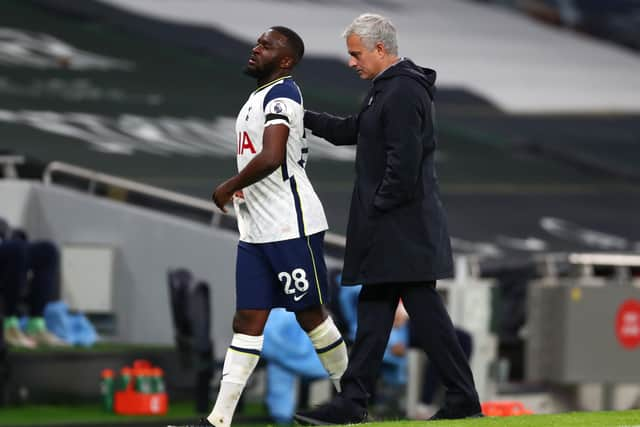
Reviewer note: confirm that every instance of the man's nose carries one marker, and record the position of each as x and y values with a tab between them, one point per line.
352	62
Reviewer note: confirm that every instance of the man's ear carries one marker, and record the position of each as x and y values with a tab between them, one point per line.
380	49
287	62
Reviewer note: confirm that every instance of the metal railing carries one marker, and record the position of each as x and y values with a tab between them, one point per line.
550	263
8	164
94	179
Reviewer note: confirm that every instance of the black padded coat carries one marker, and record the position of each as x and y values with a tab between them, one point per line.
397	230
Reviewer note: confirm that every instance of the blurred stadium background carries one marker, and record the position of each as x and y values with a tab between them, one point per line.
116	122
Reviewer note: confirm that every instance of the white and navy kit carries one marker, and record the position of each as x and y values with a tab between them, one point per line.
281	220
283	205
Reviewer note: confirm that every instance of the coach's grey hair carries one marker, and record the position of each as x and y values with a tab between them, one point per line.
372	28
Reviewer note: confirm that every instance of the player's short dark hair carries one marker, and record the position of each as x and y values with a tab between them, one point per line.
293	40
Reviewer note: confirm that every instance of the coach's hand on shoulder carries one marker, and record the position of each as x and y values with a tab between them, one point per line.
222	195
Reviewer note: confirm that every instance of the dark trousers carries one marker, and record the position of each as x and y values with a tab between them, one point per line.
17	259
432	380
2	343
434	333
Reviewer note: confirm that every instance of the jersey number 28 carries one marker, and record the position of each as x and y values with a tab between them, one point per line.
297	278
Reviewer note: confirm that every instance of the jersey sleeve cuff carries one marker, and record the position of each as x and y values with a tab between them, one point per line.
277	122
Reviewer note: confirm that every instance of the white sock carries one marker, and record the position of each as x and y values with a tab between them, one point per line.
240	361
331	349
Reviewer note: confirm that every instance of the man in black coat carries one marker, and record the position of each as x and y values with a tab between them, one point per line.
397	239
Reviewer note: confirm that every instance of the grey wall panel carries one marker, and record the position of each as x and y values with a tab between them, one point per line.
147	244
572	334
17	201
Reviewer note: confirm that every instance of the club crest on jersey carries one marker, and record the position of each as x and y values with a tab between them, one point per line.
244	143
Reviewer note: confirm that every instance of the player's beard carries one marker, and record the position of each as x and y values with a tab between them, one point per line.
260	73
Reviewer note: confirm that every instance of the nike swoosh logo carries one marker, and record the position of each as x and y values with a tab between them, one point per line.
297	298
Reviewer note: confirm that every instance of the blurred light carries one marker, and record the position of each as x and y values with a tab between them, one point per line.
605	259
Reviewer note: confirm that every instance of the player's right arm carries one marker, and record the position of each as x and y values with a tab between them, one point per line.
273	154
336	130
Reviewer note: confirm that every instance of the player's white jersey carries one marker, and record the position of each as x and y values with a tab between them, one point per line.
283	205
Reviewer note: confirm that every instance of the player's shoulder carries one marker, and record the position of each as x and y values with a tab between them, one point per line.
285	88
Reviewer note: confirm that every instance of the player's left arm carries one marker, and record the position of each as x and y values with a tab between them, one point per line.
274	143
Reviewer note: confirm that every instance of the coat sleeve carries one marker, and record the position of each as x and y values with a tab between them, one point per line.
403	121
336	130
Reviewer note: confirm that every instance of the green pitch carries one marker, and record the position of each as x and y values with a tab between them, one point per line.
70	415
571	419
60	415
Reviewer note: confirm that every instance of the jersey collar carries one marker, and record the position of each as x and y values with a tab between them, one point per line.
270	83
